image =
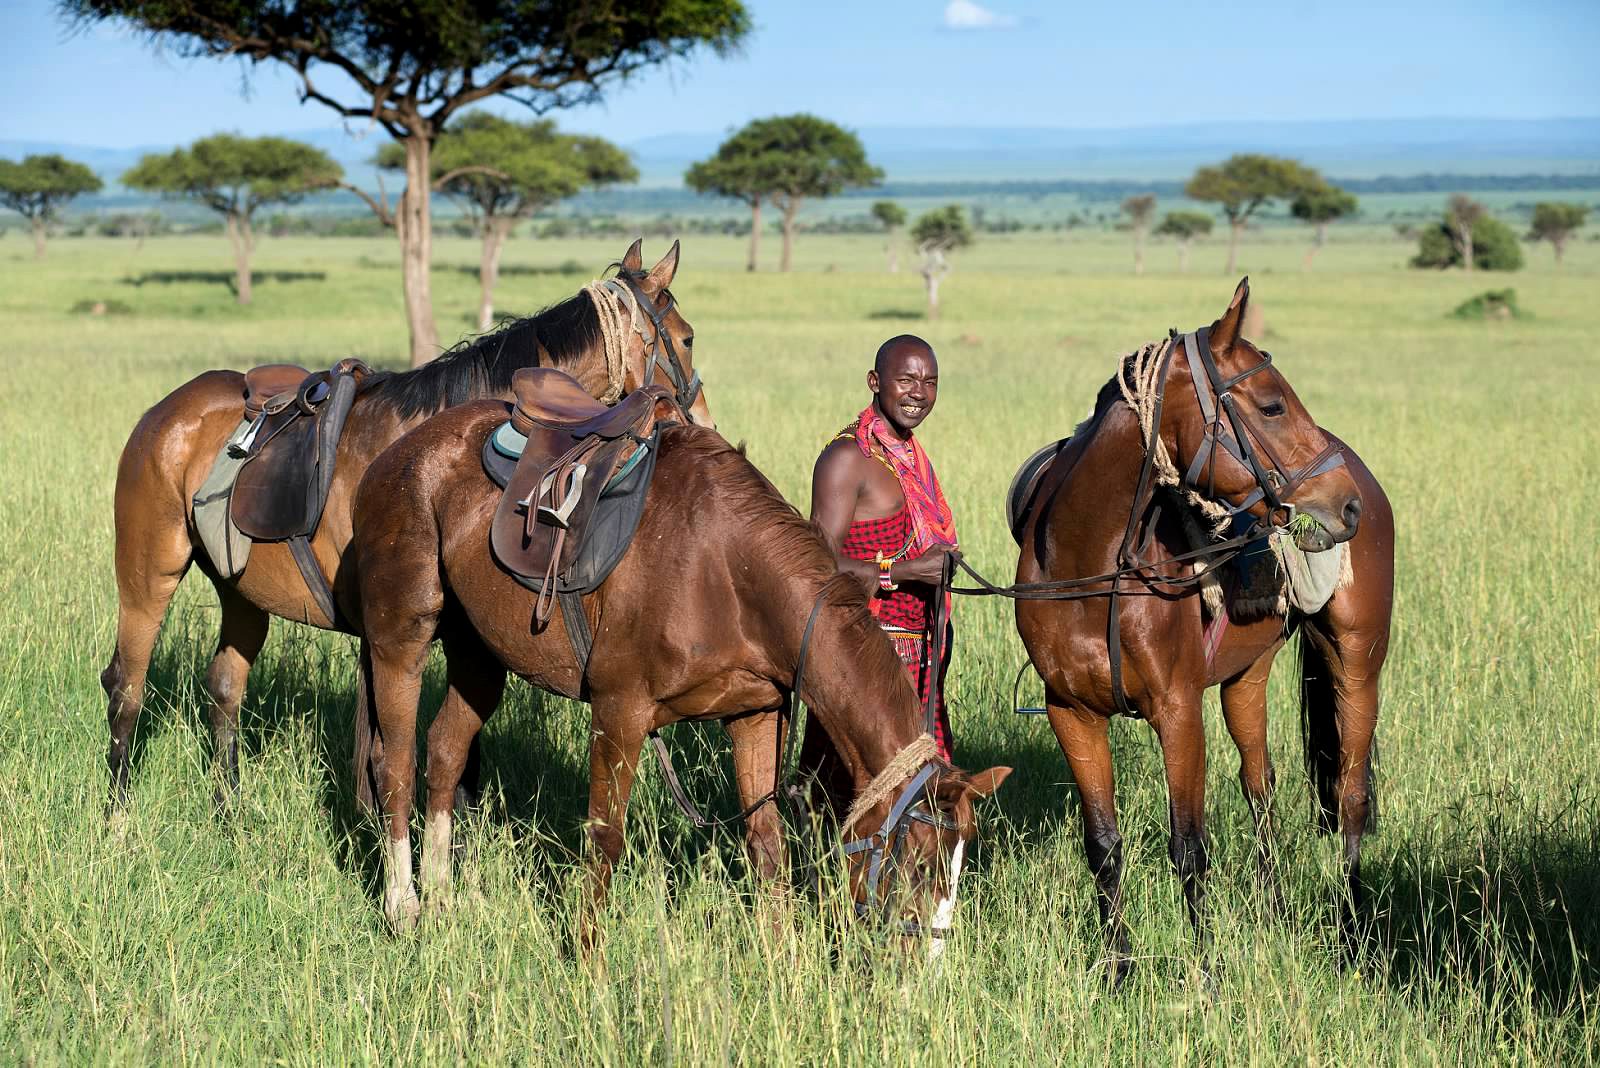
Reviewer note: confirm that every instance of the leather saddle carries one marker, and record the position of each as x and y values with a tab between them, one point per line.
1020	496
575	473
296	418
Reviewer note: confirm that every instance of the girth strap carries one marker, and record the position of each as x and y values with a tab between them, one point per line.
306	561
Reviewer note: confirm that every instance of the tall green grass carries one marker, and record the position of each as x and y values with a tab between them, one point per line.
188	939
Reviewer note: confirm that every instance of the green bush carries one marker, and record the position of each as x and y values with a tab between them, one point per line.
1494	247
1491	304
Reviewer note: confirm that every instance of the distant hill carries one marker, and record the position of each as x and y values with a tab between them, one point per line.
1341	149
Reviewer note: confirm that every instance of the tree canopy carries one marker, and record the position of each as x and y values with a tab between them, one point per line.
1241	184
235	175
1554	222
890	215
942	229
1323	204
38	186
1140	208
1185	225
1494	245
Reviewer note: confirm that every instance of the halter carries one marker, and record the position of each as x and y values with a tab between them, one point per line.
627	289
1214	393
885	843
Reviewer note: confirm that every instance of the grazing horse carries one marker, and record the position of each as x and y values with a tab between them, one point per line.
172	448
723	592
1203	409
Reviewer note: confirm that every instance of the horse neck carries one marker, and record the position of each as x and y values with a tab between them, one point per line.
855	686
1090	513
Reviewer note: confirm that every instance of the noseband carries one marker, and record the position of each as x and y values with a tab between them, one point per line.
687	387
884	844
1214	393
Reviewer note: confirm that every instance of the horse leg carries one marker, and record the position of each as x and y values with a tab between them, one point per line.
614	745
1085	740
1179	727
1244	708
757	740
244	630
475	681
149	565
396	688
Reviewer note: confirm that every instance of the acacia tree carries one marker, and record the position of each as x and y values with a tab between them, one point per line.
1140	210
37	187
502	172
891	217
1554	222
234	176
1321	207
1460	217
1242	184
936	233
413	65
1185	226
787	159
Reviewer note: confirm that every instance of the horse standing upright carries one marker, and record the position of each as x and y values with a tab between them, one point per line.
1203	409
708	614
173	446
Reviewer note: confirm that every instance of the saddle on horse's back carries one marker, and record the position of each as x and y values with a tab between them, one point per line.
575	474
271	479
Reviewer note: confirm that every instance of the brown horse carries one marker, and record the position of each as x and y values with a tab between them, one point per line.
1206	406
705	617
172	447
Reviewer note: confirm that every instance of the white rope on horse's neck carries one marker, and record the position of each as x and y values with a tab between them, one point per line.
617	316
901	767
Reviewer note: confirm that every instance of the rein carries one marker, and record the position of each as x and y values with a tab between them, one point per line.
628	292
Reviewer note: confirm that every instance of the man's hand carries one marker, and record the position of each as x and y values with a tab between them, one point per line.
929	567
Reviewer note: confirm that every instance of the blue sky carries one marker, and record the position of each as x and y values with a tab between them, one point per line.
916	63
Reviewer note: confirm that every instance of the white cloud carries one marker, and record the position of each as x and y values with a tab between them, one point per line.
967	15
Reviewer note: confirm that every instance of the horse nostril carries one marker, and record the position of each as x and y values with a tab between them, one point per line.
1352	511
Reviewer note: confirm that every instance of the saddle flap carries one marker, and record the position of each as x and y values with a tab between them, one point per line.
554	489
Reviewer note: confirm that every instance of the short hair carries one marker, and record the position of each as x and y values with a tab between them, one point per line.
897	344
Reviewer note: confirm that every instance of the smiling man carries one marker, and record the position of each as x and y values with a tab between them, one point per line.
880	506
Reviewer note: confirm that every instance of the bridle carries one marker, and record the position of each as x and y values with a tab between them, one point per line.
1214	394
686	386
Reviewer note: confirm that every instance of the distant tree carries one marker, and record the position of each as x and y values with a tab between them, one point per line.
1554	222
1242	184
1493	243
1461	218
234	176
1185	226
1140	210
892	217
409	66
502	172
786	159
37	187
937	233
1319	207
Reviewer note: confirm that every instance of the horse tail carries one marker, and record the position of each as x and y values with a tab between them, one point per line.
366	737
1319	731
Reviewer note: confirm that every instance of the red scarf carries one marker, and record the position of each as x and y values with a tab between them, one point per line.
931	519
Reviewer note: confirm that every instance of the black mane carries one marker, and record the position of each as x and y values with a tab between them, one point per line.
482	366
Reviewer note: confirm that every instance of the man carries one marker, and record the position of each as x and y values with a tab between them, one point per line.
879	504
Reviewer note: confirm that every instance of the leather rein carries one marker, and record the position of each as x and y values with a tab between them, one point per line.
686	387
1238	438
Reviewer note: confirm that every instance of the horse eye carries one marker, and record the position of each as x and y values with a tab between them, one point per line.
688	342
1272	410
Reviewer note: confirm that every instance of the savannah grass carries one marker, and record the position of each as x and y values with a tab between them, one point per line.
185	938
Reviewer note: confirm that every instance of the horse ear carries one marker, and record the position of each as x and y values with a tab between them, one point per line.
1225	331
985	783
633	259
660	276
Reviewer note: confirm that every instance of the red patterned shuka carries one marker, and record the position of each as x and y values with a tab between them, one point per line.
904	616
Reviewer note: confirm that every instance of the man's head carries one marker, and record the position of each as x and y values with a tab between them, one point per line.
905	381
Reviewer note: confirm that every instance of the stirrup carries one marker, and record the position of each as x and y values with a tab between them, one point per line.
559	515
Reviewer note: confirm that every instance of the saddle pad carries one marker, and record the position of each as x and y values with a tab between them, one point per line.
1019	496
508	442
227	547
609	529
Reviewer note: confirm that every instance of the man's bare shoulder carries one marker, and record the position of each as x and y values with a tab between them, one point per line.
841	457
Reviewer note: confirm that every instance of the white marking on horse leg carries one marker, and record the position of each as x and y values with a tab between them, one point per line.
945	911
436	874
400	904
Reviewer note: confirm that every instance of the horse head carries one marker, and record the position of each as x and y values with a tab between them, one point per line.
1241	436
660	342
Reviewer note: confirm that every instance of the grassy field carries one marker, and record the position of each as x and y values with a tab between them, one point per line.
187	939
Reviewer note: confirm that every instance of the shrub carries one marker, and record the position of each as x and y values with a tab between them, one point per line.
1494	246
1491	304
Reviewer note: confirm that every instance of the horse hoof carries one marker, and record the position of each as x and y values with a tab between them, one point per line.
402	911
1117	971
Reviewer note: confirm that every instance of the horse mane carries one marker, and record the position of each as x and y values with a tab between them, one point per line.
482	366
1108	397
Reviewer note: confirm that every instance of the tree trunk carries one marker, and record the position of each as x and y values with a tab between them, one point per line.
933	293
1560	245
38	237
1235	228
1183	256
238	228
1316	243
755	233
790	208
1138	250
1466	248
894	255
496	228
414	223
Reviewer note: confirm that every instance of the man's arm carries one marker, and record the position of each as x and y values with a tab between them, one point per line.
837	482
